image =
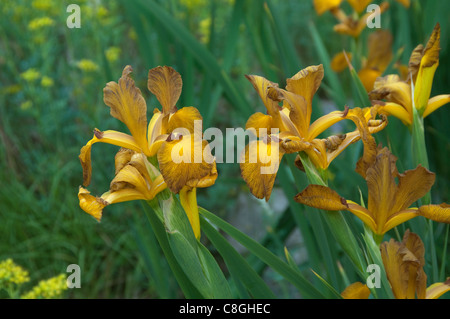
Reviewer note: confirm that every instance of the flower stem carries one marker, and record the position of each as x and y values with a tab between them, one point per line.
336	220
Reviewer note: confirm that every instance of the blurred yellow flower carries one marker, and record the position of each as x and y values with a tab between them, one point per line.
26	105
48	289
43	5
10	273
11	89
204	29
39	23
193	4
87	65
113	53
30	75
47	81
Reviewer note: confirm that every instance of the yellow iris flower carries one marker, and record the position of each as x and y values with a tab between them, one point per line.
388	202
295	131
348	25
403	262
402	96
136	177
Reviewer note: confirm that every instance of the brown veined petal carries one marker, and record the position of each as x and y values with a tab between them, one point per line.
439	213
291	143
339	62
322	6
402	268
128	105
391	88
206	181
261	86
297	107
184	161
438	289
261	123
436	102
380	50
428	66
357	290
415	245
166	84
122	158
321	197
414	62
412	185
259	164
187	118
109	137
305	83
381	185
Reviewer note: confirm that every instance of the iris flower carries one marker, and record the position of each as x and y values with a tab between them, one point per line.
403	262
402	96
295	131
348	25
135	176
389	203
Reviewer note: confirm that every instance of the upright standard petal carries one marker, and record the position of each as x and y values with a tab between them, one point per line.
166	84
428	66
128	105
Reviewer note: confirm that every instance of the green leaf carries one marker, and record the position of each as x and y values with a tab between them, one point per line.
248	282
298	280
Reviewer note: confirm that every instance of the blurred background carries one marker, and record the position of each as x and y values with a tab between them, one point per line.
51	99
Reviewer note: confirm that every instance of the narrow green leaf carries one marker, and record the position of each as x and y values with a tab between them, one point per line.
302	284
238	267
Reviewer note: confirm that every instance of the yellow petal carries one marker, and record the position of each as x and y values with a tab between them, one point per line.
188	199
414	62
291	143
439	213
321	6
166	84
438	289
127	105
402	269
324	122
297	110
362	213
261	86
436	102
368	77
122	158
381	185
259	164
321	197
91	204
359	5
394	90
188	118
380	50
261	123
428	65
306	83
339	62
357	290
398	218
155	127
398	111
110	137
183	161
